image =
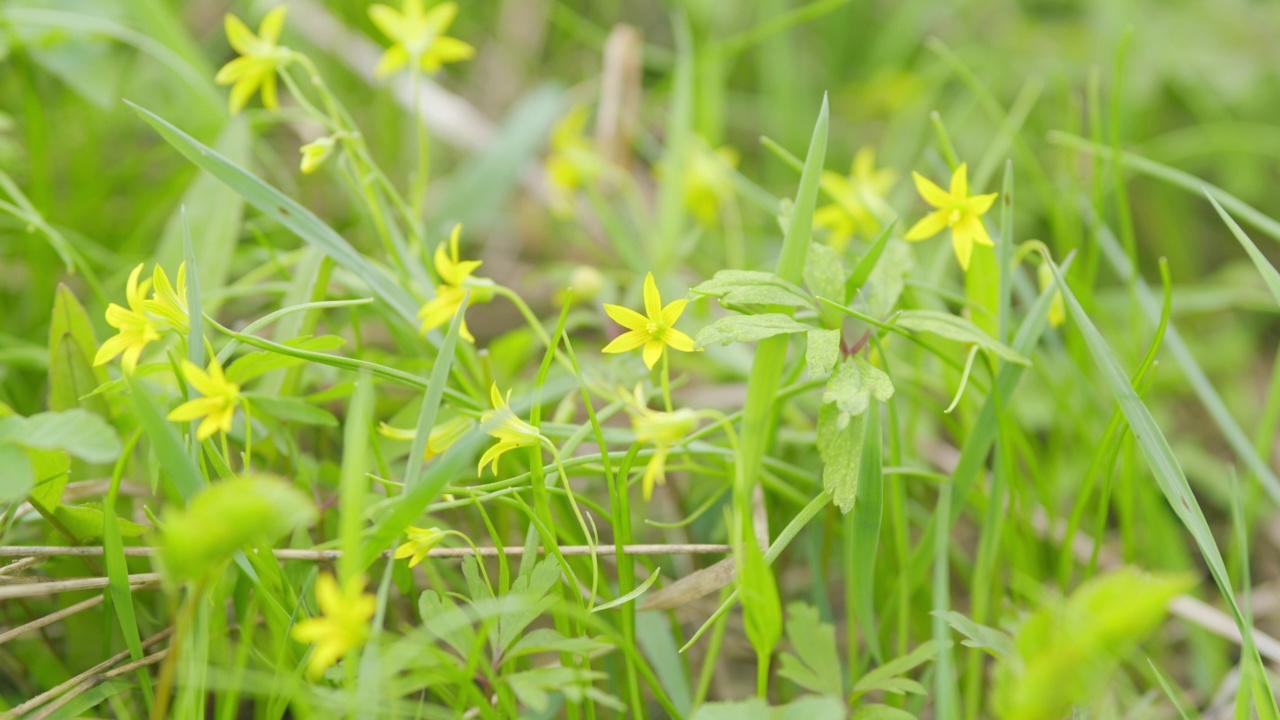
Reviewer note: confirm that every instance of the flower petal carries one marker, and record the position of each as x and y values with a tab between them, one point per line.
627	318
627	342
678	340
930	225
272	24
653	351
979	204
233	70
439	18
672	312
239	35
976	229
960	182
652	298
388	20
392	60
929	190
448	50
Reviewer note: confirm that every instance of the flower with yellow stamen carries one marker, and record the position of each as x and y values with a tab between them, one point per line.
503	424
260	59
421	541
857	196
440	438
956	209
218	404
418	37
663	430
655	330
455	279
136	328
343	622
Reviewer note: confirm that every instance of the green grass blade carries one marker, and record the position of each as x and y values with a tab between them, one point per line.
1264	266
168	447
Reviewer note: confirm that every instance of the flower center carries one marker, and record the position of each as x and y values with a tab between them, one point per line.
956	213
654	329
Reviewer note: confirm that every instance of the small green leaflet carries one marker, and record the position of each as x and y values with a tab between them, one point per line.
852	387
748	328
822	352
815	665
956	328
749	287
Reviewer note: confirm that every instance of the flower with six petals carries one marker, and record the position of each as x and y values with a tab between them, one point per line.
218	404
260	59
503	424
343	622
654	330
956	209
455	279
418	37
136	328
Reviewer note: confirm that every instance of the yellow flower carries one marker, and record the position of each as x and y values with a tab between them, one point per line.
663	429
441	437
654	332
857	197
956	209
1057	306
260	59
217	407
455	278
421	541
573	161
708	181
315	153
503	424
342	625
136	328
418	36
168	302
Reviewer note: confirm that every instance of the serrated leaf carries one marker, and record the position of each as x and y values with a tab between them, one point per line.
841	450
751	287
822	352
956	328
530	596
853	385
748	328
816	663
443	619
887	280
879	678
997	643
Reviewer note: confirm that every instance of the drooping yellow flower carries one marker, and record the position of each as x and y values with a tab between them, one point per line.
421	541
503	424
663	430
441	437
418	36
136	328
218	404
857	197
454	273
315	153
708	181
167	301
956	209
573	161
260	59
342	625
655	330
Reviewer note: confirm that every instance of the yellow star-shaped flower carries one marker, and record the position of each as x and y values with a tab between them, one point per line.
655	330
856	198
167	301
418	36
956	209
136	328
503	424
343	622
421	541
260	59
454	274
217	407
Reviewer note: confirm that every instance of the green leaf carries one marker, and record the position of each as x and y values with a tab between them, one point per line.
853	385
812	707
72	379
748	328
70	318
982	289
840	447
18	477
78	432
225	517
88	521
863	533
751	287
888	278
956	328
530	596
882	678
291	409
1260	261
880	712
824	276
816	663
869	261
761	609
996	642
288	212
822	352
443	619
176	463
551	640
1067	650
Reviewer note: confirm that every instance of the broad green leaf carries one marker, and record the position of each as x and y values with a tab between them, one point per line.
840	446
291	409
956	328
72	379
882	677
289	213
816	663
748	328
70	318
888	278
996	642
225	517
822	352
87	521
853	385
1067	650
78	432
18	477
751	287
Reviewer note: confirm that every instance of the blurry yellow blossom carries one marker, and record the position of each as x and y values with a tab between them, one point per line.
1057	306
316	152
218	404
342	625
857	196
956	209
440	438
708	181
454	275
655	330
260	59
503	424
168	301
661	429
421	541
418	36
573	161
136	328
